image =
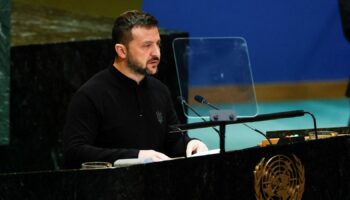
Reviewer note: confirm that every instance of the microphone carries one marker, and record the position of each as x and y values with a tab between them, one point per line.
261	117
183	101
202	100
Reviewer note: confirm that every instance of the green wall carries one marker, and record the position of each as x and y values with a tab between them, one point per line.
4	70
106	8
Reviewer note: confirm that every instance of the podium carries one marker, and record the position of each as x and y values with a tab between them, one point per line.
326	164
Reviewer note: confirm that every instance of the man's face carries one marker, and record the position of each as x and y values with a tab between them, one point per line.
144	50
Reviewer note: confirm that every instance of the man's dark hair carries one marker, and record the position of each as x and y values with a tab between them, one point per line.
121	32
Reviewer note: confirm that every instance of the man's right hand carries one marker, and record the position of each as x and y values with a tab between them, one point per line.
154	155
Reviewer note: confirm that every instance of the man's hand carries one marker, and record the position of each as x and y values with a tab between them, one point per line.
195	146
154	155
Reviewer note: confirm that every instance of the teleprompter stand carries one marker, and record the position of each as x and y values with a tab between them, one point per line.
223	123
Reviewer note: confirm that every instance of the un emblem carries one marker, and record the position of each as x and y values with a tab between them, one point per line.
279	178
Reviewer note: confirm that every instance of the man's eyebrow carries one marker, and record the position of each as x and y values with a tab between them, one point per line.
150	42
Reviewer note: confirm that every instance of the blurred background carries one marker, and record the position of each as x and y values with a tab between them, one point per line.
298	50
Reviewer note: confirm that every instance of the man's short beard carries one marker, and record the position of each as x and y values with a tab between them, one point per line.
137	68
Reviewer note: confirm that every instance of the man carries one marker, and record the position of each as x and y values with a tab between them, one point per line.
122	111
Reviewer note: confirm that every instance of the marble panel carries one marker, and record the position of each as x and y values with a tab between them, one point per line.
4	70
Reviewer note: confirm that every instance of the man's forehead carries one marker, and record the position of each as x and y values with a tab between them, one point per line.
145	32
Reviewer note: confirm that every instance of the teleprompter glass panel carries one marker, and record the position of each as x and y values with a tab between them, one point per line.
218	75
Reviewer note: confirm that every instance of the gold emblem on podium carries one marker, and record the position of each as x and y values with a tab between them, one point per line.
281	177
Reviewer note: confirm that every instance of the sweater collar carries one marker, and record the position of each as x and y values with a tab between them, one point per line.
116	73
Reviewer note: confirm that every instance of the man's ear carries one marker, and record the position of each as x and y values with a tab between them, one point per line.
120	49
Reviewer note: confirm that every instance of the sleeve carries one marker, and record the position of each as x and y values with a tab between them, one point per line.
176	141
80	131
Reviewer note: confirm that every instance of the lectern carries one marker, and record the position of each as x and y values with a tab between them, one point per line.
321	172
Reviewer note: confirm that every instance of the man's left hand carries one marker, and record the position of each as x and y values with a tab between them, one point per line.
195	146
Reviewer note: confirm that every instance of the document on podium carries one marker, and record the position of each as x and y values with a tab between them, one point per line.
131	161
138	161
213	151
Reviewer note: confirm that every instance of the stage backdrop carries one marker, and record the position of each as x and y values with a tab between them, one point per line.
289	41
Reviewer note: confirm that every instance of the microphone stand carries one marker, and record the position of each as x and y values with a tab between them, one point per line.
222	124
222	130
202	100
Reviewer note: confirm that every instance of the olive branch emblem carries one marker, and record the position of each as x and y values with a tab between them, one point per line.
279	178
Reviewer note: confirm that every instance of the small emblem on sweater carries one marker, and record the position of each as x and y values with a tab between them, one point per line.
159	117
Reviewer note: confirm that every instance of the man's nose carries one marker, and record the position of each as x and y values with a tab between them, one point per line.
156	51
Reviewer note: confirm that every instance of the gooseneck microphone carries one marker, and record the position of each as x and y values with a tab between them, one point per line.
202	100
261	117
183	101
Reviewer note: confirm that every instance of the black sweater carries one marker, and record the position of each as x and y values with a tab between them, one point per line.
112	117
